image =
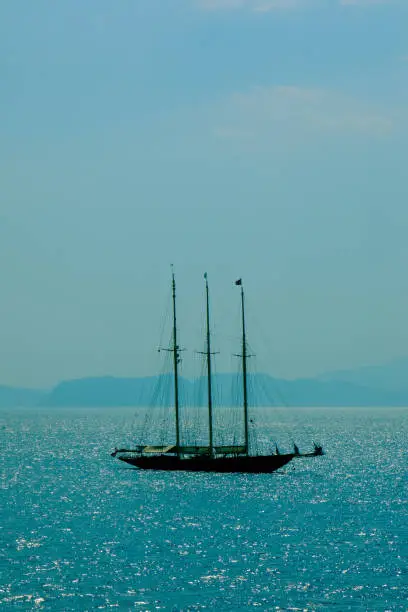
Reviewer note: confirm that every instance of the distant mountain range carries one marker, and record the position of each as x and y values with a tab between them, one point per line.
391	377
12	397
384	385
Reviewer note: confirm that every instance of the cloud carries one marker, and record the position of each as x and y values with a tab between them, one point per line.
365	2
280	5
254	5
281	112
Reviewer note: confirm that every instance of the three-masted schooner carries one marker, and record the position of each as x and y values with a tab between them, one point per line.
209	458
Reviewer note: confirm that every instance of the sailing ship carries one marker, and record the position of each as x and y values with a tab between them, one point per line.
211	457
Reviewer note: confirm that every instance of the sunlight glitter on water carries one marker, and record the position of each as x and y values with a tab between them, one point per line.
82	531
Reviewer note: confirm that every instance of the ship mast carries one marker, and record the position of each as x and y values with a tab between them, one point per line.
244	366
210	415
176	360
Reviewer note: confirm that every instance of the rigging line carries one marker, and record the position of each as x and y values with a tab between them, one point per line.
216	399
266	342
236	393
166	400
253	422
265	338
157	400
200	401
165	317
193	403
281	406
270	402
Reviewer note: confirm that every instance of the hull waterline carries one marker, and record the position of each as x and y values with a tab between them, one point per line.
261	464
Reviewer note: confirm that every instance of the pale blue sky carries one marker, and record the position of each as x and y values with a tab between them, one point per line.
256	138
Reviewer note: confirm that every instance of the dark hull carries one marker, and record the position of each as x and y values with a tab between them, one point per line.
262	464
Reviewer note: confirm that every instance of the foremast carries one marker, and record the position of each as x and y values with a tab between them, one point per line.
244	356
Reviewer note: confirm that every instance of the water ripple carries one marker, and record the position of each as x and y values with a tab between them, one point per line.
81	531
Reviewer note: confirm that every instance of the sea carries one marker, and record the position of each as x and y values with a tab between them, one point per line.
80	530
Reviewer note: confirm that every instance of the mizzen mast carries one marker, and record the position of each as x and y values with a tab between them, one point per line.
210	411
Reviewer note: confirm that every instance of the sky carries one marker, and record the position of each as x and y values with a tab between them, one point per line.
262	139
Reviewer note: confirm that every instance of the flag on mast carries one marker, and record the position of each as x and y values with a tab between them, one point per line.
239	281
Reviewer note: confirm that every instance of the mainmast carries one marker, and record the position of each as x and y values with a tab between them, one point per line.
210	417
244	366
176	359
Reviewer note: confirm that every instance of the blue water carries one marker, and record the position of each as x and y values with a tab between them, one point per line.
81	531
